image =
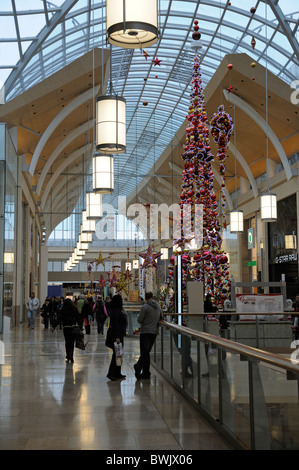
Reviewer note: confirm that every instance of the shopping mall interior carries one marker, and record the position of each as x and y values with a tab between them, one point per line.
150	146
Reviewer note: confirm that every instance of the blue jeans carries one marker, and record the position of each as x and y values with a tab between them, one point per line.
31	318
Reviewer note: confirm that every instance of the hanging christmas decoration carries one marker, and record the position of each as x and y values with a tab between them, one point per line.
149	269
156	61
150	258
253	42
221	130
100	260
211	262
145	55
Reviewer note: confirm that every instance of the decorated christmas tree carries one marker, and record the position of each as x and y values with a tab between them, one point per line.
211	262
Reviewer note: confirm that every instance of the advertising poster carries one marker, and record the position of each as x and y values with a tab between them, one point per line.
261	305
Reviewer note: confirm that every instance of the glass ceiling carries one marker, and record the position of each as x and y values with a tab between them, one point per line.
38	41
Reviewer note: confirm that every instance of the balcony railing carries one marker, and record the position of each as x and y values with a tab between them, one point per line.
249	396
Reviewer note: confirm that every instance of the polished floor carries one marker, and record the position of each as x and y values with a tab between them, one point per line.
46	404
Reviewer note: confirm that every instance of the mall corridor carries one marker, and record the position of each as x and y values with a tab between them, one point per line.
46	404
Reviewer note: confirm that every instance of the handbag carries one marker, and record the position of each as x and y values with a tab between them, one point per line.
109	339
79	338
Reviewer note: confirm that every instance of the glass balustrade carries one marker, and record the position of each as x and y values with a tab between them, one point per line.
248	396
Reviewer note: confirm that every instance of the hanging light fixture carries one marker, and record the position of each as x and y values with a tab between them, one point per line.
111	124
88	226
268	200
103	173
290	242
83	245
268	207
164	252
236	216
85	237
93	206
236	221
110	120
132	24
135	263
128	266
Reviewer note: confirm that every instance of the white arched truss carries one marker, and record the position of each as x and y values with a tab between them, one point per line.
58	151
68	161
76	103
247	109
63	186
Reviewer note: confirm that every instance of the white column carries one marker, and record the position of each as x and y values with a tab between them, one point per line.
43	273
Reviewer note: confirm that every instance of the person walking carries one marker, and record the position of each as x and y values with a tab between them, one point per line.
101	314
69	318
149	317
115	334
52	311
87	314
32	305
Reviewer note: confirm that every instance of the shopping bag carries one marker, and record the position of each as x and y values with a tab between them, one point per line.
118	353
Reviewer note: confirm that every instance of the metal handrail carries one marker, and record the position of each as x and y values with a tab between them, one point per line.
238	348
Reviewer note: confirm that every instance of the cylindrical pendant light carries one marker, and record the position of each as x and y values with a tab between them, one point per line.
111	124
85	237
135	263
268	207
103	173
84	245
236	221
94	206
132	24
88	226
164	252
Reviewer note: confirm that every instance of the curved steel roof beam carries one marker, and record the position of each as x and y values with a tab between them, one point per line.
72	158
62	188
87	95
245	167
36	45
285	26
59	149
247	109
62	185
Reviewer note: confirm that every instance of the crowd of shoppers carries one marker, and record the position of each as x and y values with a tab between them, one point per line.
67	314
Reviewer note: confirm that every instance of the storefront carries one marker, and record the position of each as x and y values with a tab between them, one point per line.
283	246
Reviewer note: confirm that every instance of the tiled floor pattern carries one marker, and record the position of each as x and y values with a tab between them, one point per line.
46	404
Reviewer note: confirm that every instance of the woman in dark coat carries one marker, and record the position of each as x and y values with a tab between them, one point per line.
69	317
117	331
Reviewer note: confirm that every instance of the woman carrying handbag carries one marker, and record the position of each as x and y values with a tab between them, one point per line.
115	334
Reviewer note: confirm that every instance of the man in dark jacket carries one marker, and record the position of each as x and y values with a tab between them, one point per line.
100	315
149	317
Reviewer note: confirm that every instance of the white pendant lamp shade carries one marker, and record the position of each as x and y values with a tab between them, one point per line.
103	173
132	24
93	206
135	263
268	207
290	242
111	124
85	237
88	226
236	221
164	252
83	244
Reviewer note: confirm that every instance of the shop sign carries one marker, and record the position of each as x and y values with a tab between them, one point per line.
250	238
286	258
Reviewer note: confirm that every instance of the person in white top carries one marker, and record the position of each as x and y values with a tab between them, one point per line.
32	305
